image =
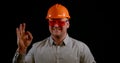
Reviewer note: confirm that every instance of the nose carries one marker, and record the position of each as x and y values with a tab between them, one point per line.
56	25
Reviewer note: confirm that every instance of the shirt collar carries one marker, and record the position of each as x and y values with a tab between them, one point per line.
65	41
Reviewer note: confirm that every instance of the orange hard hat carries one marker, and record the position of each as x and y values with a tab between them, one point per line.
58	11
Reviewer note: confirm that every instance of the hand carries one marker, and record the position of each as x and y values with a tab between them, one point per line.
24	38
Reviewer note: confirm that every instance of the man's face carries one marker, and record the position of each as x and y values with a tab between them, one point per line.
58	27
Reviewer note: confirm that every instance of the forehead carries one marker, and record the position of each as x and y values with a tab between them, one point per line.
62	19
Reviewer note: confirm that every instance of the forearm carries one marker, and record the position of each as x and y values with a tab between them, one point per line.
18	58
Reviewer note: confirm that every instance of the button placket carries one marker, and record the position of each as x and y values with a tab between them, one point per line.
57	53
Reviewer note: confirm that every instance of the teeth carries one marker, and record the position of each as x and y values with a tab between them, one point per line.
56	28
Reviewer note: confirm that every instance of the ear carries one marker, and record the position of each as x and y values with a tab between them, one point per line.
68	24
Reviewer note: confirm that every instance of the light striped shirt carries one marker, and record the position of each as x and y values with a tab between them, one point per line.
70	51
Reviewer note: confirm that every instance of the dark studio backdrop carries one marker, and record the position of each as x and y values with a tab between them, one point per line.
86	23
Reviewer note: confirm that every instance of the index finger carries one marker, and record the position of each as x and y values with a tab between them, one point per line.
23	27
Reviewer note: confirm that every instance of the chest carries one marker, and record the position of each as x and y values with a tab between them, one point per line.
60	54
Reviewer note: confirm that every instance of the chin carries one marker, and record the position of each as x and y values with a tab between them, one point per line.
56	34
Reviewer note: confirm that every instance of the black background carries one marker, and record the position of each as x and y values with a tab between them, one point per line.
86	24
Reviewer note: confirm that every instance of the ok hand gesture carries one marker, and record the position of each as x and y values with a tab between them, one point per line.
24	38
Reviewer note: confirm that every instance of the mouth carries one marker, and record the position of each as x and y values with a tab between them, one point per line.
57	28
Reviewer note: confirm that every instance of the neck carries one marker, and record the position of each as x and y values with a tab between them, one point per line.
59	39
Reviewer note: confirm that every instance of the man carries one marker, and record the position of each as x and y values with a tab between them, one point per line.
58	48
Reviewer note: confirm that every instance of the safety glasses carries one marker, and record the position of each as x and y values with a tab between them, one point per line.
58	22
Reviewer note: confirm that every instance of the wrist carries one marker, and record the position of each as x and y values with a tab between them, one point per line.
21	50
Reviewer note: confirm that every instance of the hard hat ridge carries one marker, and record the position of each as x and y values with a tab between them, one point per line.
57	11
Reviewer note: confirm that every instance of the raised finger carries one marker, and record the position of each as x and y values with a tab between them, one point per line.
17	32
20	28
23	27
18	35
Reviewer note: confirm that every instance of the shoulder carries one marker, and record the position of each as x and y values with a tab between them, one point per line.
40	43
81	46
78	43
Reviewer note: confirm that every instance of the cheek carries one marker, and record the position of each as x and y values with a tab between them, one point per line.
64	28
50	29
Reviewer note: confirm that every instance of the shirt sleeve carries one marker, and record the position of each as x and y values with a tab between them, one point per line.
25	58
18	58
86	56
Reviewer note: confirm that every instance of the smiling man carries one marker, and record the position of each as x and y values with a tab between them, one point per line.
59	47
58	29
